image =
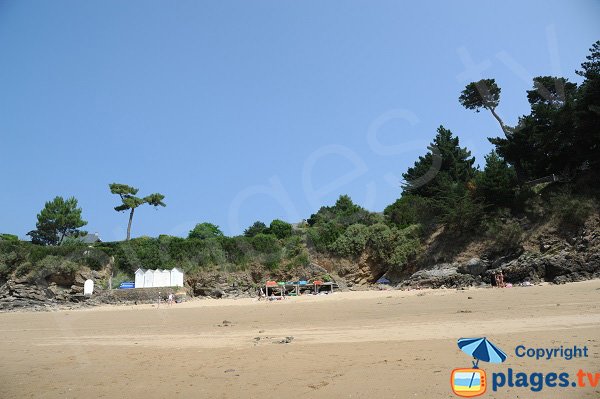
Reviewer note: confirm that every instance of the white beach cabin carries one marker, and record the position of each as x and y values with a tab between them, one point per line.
139	278
88	287
148	278
166	277
157	278
176	277
162	278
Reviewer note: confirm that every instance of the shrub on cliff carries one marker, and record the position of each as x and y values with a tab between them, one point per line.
352	242
570	210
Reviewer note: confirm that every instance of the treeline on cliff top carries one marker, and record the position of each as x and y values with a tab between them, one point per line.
556	144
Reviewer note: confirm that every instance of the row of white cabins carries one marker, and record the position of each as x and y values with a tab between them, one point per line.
146	278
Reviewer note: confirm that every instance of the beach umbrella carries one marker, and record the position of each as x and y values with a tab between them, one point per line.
481	349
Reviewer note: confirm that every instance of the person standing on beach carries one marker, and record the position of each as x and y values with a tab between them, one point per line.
499	279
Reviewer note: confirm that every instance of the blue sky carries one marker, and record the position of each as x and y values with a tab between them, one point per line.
253	110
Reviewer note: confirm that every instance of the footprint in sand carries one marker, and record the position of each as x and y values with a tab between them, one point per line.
320	385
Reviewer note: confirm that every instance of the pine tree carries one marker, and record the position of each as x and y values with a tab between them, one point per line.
497	183
449	162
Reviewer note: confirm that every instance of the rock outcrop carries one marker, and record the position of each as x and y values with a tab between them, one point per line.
46	292
561	267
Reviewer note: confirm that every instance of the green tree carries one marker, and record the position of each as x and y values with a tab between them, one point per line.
344	213
131	202
202	231
456	207
280	229
59	218
408	210
352	242
588	110
545	140
485	94
447	198
256	228
551	91
456	165
497	183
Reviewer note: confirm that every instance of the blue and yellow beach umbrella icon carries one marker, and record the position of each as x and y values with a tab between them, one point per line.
469	382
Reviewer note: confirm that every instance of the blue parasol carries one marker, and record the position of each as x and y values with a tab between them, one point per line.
481	349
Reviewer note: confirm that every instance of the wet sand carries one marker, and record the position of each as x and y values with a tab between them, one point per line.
375	344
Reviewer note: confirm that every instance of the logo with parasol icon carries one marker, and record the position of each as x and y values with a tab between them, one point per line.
469	382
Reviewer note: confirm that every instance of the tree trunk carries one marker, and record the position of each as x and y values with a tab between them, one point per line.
502	125
129	225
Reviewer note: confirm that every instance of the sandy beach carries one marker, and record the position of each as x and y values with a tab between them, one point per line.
374	344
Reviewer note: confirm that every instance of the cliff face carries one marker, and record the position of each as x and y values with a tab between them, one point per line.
546	251
48	291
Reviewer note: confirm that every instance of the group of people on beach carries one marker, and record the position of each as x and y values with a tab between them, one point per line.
499	279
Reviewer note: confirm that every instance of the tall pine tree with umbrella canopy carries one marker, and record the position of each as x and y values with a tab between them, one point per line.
131	202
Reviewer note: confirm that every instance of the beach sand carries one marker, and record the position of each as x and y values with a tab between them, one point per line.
373	344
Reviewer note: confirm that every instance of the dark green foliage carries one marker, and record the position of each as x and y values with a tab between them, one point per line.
53	264
343	213
256	228
483	94
590	69
130	202
331	221
587	111
505	233
59	218
238	250
322	236
224	253
352	242
456	207
35	261
393	246
265	243
280	229
165	252
447	198
202	231
569	210
388	245
12	255
456	165
269	250
408	210
544	142
551	91
561	134
496	186
293	246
